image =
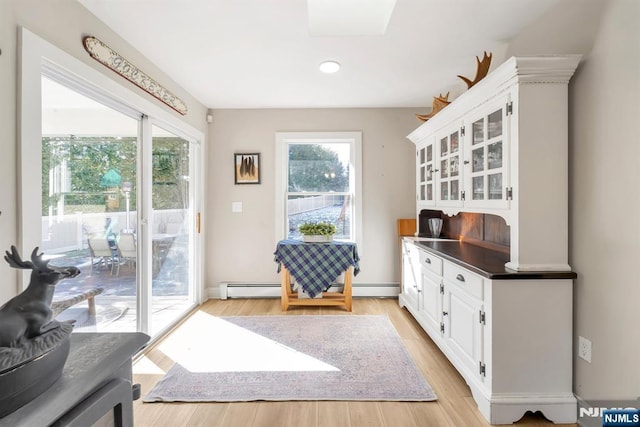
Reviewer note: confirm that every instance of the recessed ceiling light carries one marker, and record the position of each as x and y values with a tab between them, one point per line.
329	67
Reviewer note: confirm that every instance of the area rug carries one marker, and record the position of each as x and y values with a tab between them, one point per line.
296	357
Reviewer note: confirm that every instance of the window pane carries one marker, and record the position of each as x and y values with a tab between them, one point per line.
495	124
319	167
478	159
444	146
444	168
455	190
495	155
478	188
495	186
478	131
444	190
329	208
454	142
454	164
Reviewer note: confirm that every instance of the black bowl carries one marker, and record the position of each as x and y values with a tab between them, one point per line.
24	382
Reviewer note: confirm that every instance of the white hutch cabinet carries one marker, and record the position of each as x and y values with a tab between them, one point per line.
502	317
501	148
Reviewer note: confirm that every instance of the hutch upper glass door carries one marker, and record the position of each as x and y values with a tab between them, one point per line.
488	148
426	165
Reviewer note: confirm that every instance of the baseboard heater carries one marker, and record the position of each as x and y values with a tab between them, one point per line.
272	290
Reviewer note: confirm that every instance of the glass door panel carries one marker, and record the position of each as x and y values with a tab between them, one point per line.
171	229
89	171
450	167
425	171
487	156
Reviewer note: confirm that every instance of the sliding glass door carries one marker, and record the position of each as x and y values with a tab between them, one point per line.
89	171
117	202
171	228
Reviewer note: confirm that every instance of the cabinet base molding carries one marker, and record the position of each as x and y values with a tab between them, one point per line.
508	409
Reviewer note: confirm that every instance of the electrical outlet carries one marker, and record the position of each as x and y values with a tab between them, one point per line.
584	349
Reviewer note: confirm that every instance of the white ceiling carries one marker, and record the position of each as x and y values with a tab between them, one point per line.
260	54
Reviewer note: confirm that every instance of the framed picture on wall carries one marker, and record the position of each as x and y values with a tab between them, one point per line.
247	168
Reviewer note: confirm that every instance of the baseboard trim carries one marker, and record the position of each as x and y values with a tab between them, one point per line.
272	290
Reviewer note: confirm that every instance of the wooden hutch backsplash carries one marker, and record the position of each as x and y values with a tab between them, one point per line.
486	230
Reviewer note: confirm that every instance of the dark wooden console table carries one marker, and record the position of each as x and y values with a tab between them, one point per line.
95	381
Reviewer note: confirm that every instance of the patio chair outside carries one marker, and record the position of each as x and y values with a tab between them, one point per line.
101	252
127	252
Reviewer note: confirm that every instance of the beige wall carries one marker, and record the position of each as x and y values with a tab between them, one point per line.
605	207
62	23
240	245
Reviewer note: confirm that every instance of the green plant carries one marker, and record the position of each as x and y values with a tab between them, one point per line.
317	228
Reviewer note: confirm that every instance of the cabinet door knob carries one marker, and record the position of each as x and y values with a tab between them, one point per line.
428	260
445	313
460	277
466	162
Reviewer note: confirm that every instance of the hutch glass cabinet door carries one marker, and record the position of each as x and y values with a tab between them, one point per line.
487	158
449	145
425	168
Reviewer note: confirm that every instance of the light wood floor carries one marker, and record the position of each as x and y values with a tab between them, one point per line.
455	407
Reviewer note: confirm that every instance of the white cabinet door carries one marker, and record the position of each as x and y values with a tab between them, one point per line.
486	164
411	275
431	299
462	327
425	165
449	150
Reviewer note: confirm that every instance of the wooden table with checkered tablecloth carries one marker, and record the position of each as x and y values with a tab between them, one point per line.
315	266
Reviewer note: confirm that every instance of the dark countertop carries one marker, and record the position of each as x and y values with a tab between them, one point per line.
485	262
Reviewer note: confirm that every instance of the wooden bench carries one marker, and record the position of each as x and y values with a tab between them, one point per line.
61	302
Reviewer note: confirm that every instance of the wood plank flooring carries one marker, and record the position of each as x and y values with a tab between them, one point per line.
454	408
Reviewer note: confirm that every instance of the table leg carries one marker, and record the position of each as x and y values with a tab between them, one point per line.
348	290
285	283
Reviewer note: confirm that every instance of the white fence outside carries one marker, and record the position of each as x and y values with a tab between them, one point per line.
305	204
67	233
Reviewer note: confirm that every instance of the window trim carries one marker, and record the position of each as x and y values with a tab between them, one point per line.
354	138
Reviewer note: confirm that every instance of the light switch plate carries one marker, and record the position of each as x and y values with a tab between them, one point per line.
236	207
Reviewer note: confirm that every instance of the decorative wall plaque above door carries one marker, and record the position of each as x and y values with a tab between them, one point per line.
111	59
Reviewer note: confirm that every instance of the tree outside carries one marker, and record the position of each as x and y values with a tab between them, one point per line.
86	173
316	168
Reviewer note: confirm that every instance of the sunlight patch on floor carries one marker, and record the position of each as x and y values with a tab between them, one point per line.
144	366
221	346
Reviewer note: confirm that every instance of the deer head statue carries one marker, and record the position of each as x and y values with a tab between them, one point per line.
42	272
29	314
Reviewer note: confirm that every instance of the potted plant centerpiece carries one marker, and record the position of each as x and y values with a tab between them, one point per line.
317	232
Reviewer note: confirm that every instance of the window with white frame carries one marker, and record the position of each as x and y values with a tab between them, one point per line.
318	179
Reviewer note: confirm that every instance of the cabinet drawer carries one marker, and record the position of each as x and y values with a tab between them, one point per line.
466	280
431	262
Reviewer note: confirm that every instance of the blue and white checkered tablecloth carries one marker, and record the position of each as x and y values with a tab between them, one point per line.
315	266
